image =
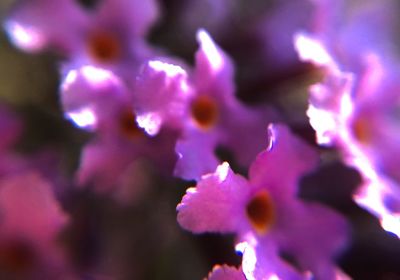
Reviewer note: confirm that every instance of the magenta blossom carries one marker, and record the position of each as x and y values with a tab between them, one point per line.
31	222
268	219
214	117
123	166
358	113
201	104
98	101
111	36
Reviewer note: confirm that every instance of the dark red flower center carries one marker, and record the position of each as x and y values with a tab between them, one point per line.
16	256
204	111
104	47
128	124
260	212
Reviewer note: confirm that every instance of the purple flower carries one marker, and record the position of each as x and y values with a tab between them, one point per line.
112	35
214	117
355	106
122	167
97	100
267	217
36	25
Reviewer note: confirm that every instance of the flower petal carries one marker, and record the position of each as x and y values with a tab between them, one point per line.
34	25
29	209
196	155
214	70
286	159
215	204
225	272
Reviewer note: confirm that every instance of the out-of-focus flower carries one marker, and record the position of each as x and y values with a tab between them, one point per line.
272	225
97	100
31	219
120	166
355	106
356	112
111	35
214	117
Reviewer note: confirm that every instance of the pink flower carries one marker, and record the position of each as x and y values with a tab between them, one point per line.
265	214
111	35
214	117
31	220
97	100
354	107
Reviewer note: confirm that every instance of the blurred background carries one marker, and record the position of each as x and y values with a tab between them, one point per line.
142	240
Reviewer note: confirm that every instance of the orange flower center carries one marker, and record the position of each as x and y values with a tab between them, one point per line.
361	130
260	212
128	124
104	47
204	111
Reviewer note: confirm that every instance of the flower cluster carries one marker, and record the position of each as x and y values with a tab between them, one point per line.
151	113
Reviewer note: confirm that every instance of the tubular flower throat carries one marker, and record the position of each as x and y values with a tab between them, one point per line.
204	111
104	47
260	212
128	124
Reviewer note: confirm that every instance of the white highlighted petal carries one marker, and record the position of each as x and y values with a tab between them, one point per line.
323	123
371	196
69	80
222	171
240	247
170	69
210	49
346	106
84	118
310	49
391	223
249	260
96	75
150	122
24	37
